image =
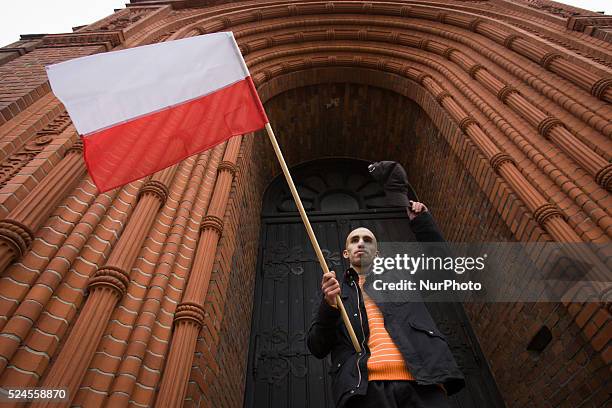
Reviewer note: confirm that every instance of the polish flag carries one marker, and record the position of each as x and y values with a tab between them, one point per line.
142	109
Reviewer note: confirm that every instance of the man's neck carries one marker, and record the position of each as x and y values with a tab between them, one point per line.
362	270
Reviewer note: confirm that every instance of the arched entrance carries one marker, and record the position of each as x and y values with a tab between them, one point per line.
339	196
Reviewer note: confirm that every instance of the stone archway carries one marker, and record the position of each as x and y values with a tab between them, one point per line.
421	138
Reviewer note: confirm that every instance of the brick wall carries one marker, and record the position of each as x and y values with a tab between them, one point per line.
24	80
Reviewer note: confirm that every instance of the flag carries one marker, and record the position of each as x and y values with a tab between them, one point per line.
142	109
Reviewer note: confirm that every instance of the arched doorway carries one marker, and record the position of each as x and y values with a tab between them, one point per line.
339	195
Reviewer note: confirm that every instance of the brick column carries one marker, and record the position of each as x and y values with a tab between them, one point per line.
599	87
140	339
189	316
546	214
17	229
107	286
547	126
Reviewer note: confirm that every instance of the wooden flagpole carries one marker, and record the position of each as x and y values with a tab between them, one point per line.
311	235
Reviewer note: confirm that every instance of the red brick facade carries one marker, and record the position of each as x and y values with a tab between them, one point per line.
500	111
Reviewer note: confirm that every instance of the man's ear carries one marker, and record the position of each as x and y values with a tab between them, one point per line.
345	254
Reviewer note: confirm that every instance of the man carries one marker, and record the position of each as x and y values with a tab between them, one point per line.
405	360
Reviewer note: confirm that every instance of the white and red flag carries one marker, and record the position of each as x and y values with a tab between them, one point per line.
142	109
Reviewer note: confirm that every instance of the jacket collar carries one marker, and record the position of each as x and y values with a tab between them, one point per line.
351	275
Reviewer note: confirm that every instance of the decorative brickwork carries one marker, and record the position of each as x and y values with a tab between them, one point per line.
190	311
156	189
110	277
546	125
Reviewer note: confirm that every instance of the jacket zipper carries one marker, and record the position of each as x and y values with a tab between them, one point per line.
362	335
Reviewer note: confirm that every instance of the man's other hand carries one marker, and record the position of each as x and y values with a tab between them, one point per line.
330	288
414	209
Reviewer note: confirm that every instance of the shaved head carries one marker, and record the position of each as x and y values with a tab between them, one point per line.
359	231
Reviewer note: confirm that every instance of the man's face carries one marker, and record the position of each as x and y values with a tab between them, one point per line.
361	247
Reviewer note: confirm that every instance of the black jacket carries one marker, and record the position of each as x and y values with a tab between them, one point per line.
409	324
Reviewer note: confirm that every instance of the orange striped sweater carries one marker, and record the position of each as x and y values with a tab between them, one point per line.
386	361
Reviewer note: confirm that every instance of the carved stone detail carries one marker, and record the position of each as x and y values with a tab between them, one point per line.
190	312
121	20
423	44
18	236
156	189
421	77
270	42
213	223
604	177
546	211
57	125
475	68
227	22
14	163
227	166
447	52
38	143
474	24
498	159
548	58
293	10
246	48
510	39
108	39
110	277
503	93
546	125
77	147
599	87
258	15
440	97
558	11
465	122
163	37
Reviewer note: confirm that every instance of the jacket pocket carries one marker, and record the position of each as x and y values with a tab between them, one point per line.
431	332
338	363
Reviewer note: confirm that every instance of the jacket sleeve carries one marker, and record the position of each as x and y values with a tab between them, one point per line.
322	332
425	229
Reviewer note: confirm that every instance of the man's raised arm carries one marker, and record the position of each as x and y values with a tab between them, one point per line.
422	223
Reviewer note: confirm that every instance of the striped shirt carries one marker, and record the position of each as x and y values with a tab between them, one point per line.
386	361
